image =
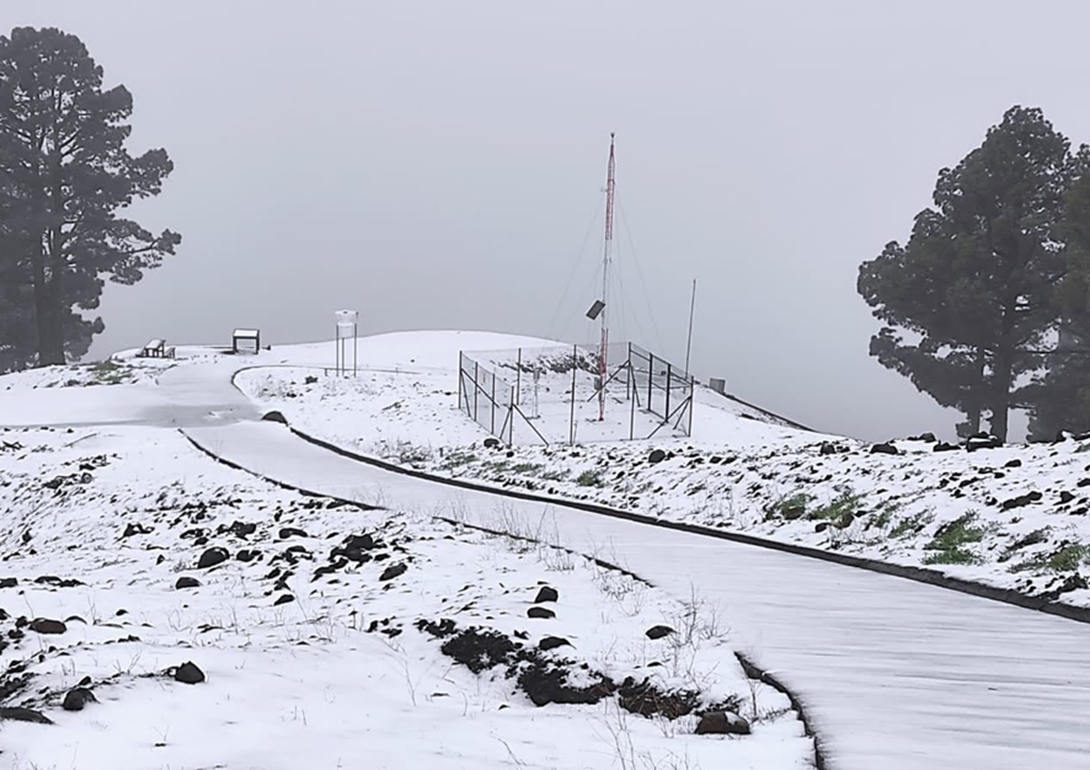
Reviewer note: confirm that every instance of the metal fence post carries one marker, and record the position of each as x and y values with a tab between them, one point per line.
518	378
650	379
459	380
571	420
493	399
666	413
476	387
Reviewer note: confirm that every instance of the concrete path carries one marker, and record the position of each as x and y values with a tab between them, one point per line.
896	674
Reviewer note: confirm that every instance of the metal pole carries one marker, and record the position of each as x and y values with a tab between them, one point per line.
571	420
666	414
355	346
493	429
518	377
650	379
689	343
476	387
632	405
459	379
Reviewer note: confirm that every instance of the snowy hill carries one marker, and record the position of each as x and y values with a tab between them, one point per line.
159	609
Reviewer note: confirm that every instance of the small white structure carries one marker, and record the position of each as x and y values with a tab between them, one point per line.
719	385
246	341
347	329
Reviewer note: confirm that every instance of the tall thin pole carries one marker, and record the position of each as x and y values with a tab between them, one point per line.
689	342
606	249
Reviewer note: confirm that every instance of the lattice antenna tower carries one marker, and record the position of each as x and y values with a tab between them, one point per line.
607	248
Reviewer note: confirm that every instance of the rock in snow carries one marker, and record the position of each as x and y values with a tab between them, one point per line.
657	632
721	723
546	594
212	557
188	673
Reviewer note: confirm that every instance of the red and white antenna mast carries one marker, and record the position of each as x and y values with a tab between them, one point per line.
606	249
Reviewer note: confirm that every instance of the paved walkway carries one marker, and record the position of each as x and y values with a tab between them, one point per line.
896	674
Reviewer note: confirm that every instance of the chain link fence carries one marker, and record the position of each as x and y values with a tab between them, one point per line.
561	394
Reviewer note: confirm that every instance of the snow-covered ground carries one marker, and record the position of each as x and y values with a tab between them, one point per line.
318	650
1014	517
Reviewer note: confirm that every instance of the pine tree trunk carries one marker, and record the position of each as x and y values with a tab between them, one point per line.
1000	407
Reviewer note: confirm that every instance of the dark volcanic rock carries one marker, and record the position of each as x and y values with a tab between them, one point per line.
284	599
656	456
212	557
24	715
275	416
657	632
1015	463
9	582
393	571
546	594
884	449
47	626
247	554
187	582
722	723
540	612
188	673
928	437
77	698
942	446
982	441
286	532
552	642
1018	502
491	443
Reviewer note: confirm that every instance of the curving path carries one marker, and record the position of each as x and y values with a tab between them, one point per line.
894	673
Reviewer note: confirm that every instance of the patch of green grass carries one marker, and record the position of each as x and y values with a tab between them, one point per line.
1084	447
527	468
555	475
883	514
910	525
1068	558
948	544
789	507
589	479
840	511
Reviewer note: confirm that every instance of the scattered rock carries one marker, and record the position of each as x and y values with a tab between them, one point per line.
546	594
47	626
883	449
310	379
657	632
491	443
135	529
247	554
942	446
722	723
393	571
1066	497
1015	463
77	698
540	612
928	437
187	582
212	557
284	599
656	456
286	532
188	673
552	642
275	416
24	715
982	441
1018	502
8	582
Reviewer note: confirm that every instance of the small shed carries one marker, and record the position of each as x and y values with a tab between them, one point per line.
246	341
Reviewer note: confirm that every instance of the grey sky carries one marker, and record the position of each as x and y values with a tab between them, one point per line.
437	165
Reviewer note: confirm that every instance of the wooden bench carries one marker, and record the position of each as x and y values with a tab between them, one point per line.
155	348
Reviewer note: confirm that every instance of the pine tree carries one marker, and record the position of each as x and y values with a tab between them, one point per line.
968	300
64	175
1061	398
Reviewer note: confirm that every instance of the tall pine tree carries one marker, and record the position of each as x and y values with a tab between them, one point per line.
64	176
967	302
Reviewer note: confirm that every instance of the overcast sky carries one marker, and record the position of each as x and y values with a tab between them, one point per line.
441	165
